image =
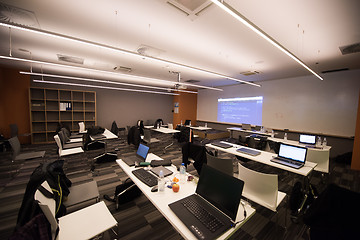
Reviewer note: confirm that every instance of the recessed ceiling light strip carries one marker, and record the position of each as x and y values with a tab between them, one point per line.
233	12
102	81
153	80
103	87
95	44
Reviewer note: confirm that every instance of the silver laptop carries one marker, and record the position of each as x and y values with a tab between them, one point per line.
292	156
307	139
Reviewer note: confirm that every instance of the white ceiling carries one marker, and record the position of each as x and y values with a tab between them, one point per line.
213	40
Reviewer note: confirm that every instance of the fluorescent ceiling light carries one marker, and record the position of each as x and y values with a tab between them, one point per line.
119	50
227	8
103	87
103	81
152	80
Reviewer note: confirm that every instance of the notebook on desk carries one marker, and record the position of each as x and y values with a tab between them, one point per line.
292	156
211	201
140	156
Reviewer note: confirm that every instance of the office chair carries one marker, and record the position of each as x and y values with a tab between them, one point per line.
14	131
66	143
83	224
261	188
17	155
147	137
224	165
159	122
187	122
65	152
195	152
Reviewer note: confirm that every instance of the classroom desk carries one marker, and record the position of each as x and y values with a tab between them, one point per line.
201	128
265	158
320	155
161	200
232	129
165	130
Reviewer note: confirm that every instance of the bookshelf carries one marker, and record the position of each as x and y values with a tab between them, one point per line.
48	107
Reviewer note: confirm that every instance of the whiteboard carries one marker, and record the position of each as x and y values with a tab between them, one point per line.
304	104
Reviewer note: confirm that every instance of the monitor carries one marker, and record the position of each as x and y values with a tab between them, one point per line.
307	139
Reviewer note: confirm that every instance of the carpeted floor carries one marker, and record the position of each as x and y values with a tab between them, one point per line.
139	219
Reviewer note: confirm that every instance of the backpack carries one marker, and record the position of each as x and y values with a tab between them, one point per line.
300	201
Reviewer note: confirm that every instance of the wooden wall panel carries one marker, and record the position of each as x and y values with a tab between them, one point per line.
187	108
14	102
355	162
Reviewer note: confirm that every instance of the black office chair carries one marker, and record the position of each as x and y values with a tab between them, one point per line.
187	122
195	152
158	122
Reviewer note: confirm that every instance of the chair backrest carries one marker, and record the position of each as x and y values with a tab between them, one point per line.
58	143
114	128
147	135
259	187
187	122
81	127
223	165
170	126
48	206
14	130
320	157
15	145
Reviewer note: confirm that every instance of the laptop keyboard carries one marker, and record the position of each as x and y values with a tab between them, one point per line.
207	219
145	177
249	151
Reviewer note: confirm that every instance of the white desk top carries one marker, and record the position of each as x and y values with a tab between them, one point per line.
265	157
296	143
161	200
201	128
248	131
165	130
107	135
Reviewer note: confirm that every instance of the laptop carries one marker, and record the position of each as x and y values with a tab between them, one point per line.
211	197
156	171
307	139
140	156
221	144
292	156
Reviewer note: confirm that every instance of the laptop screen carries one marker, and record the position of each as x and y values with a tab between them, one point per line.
293	152
307	139
221	190
142	151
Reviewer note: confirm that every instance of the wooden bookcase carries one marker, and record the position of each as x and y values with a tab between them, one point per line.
48	107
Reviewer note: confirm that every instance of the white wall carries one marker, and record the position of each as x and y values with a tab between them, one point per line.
299	104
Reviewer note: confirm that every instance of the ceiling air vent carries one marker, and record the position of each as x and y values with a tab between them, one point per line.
191	8
18	16
249	73
149	51
70	59
192	81
122	69
353	48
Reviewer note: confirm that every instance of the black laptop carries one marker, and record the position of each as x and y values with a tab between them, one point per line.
291	156
140	156
221	144
213	208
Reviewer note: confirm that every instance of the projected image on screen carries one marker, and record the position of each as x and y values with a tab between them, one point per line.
240	110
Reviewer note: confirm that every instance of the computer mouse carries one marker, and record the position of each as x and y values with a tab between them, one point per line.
154	189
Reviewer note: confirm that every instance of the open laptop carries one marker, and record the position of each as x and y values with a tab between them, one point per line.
140	156
211	197
292	156
307	139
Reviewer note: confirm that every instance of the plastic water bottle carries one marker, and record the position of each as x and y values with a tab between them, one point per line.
285	135
206	125
318	142
324	143
161	182
272	133
182	173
